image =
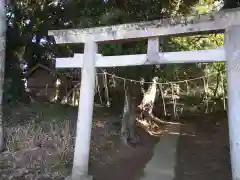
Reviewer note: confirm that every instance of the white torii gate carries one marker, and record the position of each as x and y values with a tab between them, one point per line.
224	21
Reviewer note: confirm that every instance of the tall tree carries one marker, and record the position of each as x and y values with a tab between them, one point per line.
2	66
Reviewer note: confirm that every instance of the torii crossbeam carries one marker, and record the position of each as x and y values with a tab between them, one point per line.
227	22
201	56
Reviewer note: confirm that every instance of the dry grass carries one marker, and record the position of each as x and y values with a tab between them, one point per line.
43	148
37	152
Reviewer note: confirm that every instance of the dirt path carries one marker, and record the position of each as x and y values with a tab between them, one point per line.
126	163
202	153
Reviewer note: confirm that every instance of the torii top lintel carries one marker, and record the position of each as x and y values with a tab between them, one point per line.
208	23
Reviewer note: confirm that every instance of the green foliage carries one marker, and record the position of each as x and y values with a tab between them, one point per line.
29	21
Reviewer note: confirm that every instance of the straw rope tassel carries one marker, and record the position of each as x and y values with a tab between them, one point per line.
163	99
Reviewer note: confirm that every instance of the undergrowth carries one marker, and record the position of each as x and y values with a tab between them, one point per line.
40	141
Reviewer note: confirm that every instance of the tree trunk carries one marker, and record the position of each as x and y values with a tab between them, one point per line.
128	132
153	124
2	67
149	97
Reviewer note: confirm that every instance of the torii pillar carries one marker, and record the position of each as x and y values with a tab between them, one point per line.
232	47
85	113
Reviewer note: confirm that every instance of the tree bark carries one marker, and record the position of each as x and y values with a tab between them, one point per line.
149	96
2	67
128	131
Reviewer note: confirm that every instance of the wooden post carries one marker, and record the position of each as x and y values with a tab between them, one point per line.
232	47
85	113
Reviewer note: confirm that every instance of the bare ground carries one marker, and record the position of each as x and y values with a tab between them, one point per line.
203	151
40	146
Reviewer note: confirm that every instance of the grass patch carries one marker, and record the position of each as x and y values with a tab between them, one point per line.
40	140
